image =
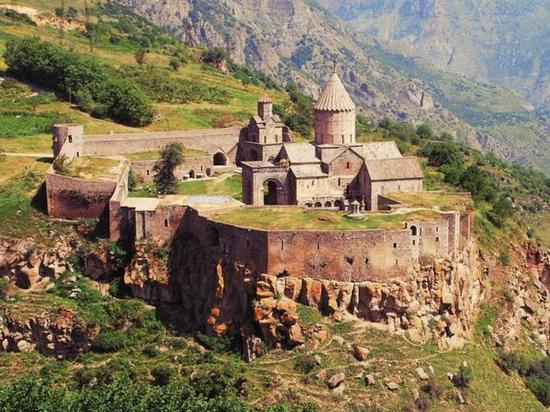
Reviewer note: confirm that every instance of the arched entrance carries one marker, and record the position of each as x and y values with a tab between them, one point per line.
318	204
328	204
413	230
191	174
220	159
270	192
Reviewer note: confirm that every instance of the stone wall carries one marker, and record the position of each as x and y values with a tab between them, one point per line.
192	166
209	140
120	223
161	224
71	198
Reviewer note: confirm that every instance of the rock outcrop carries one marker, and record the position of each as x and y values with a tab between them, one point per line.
61	335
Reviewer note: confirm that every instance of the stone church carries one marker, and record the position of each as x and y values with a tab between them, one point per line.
329	173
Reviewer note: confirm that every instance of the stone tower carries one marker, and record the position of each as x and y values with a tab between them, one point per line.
334	114
69	135
265	108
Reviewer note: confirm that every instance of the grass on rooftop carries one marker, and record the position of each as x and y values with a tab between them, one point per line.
444	201
93	168
295	218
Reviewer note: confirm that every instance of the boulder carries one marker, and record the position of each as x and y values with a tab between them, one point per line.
369	379
336	380
361	353
421	374
392	386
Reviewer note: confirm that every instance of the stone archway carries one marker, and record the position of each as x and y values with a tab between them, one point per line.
191	174
271	189
328	204
220	159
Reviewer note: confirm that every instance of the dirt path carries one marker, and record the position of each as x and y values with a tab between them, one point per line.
41	155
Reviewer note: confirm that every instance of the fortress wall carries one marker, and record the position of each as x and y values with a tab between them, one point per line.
466	227
342	255
121	225
432	237
161	224
241	245
144	169
71	198
209	140
453	219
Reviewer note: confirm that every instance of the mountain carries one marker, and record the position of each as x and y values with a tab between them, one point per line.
297	40
501	42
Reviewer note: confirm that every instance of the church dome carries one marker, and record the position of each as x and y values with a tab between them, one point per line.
334	97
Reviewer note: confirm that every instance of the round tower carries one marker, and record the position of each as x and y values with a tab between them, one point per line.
265	108
334	114
70	134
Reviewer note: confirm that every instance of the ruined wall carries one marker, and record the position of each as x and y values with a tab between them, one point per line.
70	198
192	166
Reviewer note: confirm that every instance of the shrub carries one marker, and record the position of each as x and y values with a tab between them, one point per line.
61	165
306	363
464	376
162	374
4	287
171	157
106	342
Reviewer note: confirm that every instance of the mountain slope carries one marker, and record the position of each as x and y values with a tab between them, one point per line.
502	42
294	40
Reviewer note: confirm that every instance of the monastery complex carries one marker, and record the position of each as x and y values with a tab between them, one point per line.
372	219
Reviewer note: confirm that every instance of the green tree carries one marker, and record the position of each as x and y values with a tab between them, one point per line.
171	158
425	131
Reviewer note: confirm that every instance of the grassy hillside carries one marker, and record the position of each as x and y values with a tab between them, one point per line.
26	118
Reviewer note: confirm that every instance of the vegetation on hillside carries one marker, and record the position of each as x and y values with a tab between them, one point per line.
92	84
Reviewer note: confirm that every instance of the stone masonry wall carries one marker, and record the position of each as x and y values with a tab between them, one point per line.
71	198
144	169
210	140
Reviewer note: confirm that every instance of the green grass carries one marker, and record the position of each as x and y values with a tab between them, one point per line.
93	168
293	218
440	200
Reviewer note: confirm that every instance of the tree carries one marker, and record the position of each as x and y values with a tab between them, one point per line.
171	158
425	131
140	56
175	63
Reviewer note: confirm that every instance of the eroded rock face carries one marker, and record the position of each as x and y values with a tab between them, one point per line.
61	335
437	300
29	267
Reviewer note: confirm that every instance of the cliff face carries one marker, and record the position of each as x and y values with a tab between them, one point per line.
295	40
438	300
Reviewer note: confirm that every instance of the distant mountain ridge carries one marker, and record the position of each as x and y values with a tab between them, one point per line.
295	40
502	42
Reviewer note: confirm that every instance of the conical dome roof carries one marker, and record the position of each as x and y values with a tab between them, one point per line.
334	97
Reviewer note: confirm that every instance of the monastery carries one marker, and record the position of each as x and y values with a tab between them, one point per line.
334	173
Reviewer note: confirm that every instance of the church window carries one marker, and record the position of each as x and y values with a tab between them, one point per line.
147	172
77	154
339	182
395	245
437	229
414	242
342	138
437	239
166	222
282	245
347	165
70	138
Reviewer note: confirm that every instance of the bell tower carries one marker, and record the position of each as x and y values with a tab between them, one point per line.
265	108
